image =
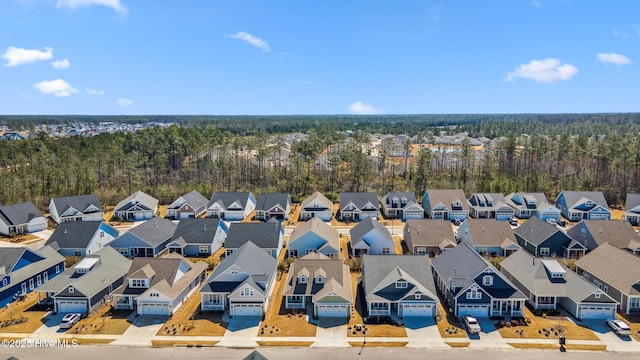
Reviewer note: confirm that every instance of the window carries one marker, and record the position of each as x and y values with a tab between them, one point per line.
247	291
71	289
24	287
418	296
583	232
319	280
308	251
422	250
598	295
203	249
39	280
597	283
30	284
634	302
303	279
482	250
474	294
401	285
605	289
544	251
234	272
585	276
45	276
487	280
293	253
138	283
101	233
5	282
123	251
385	250
57	269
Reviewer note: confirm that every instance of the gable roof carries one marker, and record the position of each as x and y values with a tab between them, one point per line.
22	263
632	201
446	197
521	200
573	198
489	233
460	266
225	199
359	199
11	256
195	199
267	201
408	196
615	266
363	228
317	196
497	200
154	231
169	275
76	234
430	232
265	234
532	273
536	231
379	271
313	264
17	214
615	232
79	202
146	201
251	259
110	267
196	230
319	228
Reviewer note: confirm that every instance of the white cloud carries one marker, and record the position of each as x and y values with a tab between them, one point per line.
361	108
543	71
255	41
536	3
17	56
94	92
56	88
61	64
612	58
125	102
73	4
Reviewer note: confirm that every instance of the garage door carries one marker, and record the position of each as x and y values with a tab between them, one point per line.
333	310
417	310
155	309
596	312
473	310
72	306
247	310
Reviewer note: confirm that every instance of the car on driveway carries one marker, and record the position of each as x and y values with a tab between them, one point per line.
513	222
472	325
69	320
619	326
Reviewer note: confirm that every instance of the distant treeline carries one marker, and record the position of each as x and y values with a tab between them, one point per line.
534	153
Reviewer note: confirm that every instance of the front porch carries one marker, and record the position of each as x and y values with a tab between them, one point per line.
544	302
507	307
213	301
295	302
123	302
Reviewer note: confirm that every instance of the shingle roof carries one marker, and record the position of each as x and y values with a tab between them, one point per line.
497	200
196	231
267	201
536	231
359	199
251	259
409	196
146	201
265	235
632	201
318	227
615	232
447	197
363	228
18	214
195	199
489	233
75	234
315	263
44	258
317	195
571	198
154	231
112	266
379	271
79	202
615	266
225	199
519	200
533	275
429	232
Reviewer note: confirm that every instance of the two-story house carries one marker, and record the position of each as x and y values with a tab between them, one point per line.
445	204
490	206
540	238
314	236
593	233
578	205
316	205
401	205
356	206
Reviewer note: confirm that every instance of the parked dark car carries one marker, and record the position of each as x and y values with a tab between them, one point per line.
561	223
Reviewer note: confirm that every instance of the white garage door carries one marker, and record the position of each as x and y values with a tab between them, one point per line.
72	306
417	310
596	312
333	310
155	309
247	310
473	310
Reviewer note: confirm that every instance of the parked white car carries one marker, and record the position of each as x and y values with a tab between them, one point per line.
69	320
472	325
619	326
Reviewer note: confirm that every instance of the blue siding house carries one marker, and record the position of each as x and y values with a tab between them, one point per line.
23	269
314	236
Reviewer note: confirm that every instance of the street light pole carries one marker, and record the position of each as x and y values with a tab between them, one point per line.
364	339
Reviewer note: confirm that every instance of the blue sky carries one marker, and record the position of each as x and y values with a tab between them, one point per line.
236	57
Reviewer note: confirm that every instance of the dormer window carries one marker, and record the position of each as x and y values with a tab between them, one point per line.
583	232
401	285
247	291
487	280
138	283
303	280
319	280
588	204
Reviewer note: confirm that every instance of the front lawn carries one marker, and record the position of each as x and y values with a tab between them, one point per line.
105	321
282	322
546	328
188	320
23	316
448	325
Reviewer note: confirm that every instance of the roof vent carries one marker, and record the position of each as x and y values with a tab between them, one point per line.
65	231
205	227
600	230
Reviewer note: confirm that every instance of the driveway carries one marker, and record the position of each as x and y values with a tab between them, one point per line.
610	338
142	330
489	335
423	332
51	324
331	332
241	331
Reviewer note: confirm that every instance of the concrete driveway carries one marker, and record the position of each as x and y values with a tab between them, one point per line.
609	337
423	332
331	332
241	331
142	330
489	335
51	324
